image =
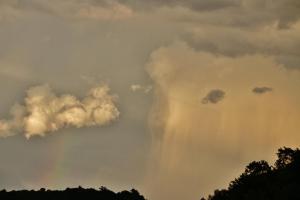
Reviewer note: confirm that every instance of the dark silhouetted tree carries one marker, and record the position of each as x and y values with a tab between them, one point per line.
260	181
286	156
71	193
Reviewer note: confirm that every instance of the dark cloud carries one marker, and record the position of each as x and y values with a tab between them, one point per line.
71	9
288	12
262	90
235	12
252	27
214	96
191	4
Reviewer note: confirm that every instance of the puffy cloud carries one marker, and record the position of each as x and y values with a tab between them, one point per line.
261	90
214	96
45	112
8	127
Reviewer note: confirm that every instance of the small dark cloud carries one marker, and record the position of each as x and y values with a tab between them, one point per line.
214	96
262	90
195	5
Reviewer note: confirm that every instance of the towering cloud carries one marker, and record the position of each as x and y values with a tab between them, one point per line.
44	111
196	145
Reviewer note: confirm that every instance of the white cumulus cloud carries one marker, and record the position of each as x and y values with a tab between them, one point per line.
44	111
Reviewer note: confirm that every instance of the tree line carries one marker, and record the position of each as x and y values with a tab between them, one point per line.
261	181
71	193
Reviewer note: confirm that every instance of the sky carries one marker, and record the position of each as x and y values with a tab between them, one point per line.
171	97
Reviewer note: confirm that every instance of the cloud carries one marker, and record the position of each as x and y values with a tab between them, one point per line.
227	27
112	11
237	12
205	5
282	44
214	96
137	87
190	139
44	111
262	90
87	9
238	27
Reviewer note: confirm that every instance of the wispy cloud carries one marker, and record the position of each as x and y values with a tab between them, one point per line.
138	87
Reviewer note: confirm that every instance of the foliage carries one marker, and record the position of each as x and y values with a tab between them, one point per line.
71	193
263	182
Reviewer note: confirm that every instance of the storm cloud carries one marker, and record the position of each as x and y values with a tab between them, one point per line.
193	134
